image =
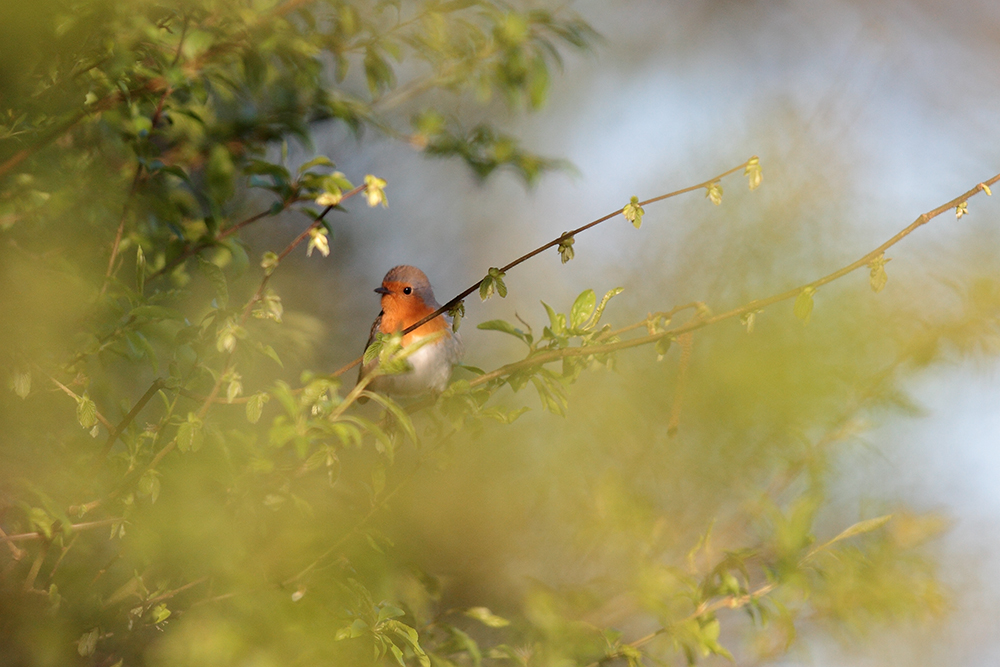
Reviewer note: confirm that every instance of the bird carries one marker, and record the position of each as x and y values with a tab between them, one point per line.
407	297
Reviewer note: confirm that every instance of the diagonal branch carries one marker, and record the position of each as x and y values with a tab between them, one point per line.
130	417
757	304
454	301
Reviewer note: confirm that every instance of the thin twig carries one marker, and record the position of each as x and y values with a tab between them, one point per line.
317	221
30	537
758	304
556	241
195	248
121	228
170	594
107	424
136	409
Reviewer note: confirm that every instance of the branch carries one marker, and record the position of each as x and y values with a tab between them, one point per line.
121	226
130	417
195	248
736	601
76	398
291	246
26	537
757	304
523	258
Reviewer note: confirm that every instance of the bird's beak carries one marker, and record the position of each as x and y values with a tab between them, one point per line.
382	289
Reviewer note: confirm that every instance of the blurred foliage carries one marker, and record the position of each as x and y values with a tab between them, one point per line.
179	486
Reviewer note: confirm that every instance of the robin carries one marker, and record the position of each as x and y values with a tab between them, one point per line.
407	298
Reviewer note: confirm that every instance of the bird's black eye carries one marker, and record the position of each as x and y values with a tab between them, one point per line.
407	290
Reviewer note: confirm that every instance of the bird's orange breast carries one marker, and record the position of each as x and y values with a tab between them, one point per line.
399	314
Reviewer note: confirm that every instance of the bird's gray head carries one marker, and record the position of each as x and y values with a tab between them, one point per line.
407	281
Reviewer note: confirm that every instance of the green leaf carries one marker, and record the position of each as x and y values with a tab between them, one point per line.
387	611
189	434
566	252
269	262
41	521
662	346
255	406
20	382
457	312
218	280
486	617
160	613
318	161
401	415
269	352
86	411
140	269
714	193
557	321
149	484
804	304
749	319
604	302
318	241
493	281
502	326
861	527
582	308
375	191
467	644
373	351
878	277
486	288
633	212
753	172
409	635
87	643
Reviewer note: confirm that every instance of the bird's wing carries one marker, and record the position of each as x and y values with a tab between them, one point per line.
371	338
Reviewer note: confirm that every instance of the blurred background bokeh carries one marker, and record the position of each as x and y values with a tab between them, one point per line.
864	116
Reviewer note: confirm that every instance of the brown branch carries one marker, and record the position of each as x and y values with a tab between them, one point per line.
170	594
69	392
195	248
758	304
15	553
36	566
136	409
121	228
708	606
523	258
30	537
290	247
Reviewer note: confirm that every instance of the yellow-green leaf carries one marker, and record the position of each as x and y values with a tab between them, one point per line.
486	617
878	277
633	212
804	304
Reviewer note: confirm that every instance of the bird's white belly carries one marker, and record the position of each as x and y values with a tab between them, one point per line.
431	369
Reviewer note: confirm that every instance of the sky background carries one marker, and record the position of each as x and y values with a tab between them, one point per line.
869	112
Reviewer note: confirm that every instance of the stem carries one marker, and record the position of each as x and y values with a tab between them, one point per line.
130	417
757	304
121	228
523	258
291	246
30	537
